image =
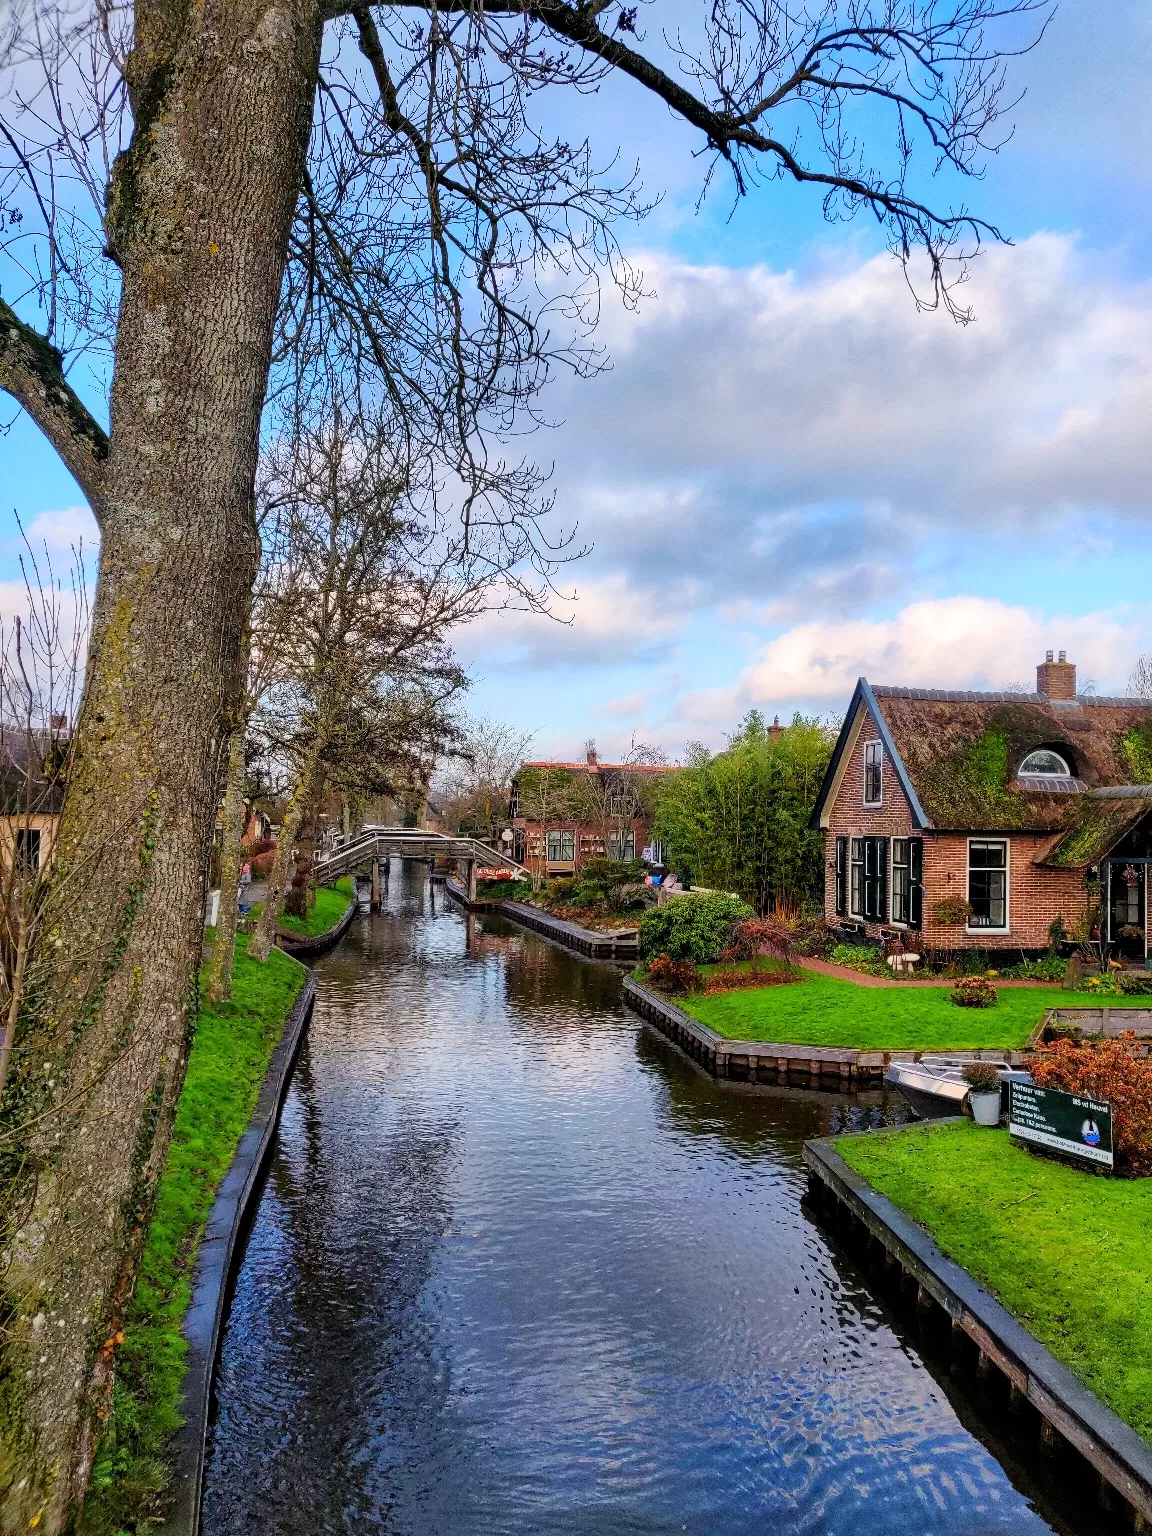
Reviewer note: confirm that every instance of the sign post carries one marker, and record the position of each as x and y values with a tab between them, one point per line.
1069	1123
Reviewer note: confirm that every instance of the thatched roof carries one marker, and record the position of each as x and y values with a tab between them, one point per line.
31	776
957	755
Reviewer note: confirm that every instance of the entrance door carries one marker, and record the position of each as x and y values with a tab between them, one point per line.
1126	908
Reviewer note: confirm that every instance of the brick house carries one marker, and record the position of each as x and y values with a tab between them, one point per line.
563	814
974	820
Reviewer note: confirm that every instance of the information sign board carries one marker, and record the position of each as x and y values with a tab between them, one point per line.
1069	1123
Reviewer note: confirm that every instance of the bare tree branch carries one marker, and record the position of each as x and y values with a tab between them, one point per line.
32	372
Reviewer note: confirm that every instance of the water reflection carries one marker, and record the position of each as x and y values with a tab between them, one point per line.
520	1267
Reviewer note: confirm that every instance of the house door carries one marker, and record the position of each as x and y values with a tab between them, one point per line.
1126	909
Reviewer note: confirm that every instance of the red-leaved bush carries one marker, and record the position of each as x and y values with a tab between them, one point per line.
758	936
262	864
1117	1071
730	978
675	977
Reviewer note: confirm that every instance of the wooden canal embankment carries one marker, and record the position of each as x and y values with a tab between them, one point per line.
1066	1417
623	945
760	1061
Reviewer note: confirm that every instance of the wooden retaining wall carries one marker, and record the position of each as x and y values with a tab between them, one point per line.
1069	1421
758	1061
585	941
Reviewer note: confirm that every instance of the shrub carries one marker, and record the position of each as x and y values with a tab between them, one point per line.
1136	986
1120	1073
675	977
757	936
859	957
951	910
973	992
814	937
262	864
607	882
981	1077
691	927
1048	968
504	890
731	978
558	892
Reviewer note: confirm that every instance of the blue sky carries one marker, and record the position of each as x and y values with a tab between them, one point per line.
790	476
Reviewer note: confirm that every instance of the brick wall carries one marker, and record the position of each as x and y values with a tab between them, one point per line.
1035	896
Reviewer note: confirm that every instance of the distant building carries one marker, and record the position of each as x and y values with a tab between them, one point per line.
562	814
32	771
974	820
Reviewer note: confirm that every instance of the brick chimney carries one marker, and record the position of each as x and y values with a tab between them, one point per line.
591	754
776	729
1056	679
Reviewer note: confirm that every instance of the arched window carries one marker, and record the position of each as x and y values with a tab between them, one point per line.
1044	763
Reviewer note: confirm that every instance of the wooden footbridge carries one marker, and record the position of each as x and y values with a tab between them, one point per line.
366	850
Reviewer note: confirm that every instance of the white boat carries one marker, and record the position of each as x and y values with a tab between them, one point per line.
937	1087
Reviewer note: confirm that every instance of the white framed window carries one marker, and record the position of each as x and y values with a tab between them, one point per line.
561	847
873	773
988	884
622	845
1044	764
856	889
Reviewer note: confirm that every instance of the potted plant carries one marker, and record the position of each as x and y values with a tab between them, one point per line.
983	1092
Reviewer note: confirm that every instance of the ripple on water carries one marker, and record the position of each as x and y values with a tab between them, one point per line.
519	1268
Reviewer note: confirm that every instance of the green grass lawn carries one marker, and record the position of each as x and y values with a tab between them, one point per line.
1066	1252
331	902
824	1010
230	1053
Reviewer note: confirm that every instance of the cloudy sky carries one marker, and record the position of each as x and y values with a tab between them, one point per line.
789	476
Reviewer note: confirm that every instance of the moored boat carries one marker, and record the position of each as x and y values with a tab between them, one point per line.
936	1087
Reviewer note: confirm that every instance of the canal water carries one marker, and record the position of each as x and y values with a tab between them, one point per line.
519	1267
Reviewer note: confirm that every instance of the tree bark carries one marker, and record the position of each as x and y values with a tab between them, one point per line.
261	943
219	987
199	213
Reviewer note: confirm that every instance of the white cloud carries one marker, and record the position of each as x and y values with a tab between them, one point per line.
954	642
783	439
64	530
609	622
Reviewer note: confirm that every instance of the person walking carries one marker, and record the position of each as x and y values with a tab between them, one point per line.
245	887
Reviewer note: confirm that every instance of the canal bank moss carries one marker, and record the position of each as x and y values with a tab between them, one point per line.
1065	1251
231	1049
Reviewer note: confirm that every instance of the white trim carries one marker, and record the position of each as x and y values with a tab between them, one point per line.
862	713
872	805
1007	841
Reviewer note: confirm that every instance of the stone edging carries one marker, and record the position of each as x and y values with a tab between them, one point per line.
1066	1406
772	1062
586	941
308	948
218	1249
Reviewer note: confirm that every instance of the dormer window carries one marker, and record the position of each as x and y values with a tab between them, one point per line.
1044	764
873	773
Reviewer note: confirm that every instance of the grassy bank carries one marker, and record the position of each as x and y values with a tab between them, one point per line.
825	1010
230	1053
1065	1252
331	903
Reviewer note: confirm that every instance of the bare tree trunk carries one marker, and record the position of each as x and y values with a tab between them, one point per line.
260	945
231	855
297	902
199	213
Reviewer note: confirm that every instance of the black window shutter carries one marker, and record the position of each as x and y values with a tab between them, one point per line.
841	863
916	877
882	879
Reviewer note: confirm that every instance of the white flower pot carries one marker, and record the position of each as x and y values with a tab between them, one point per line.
985	1107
